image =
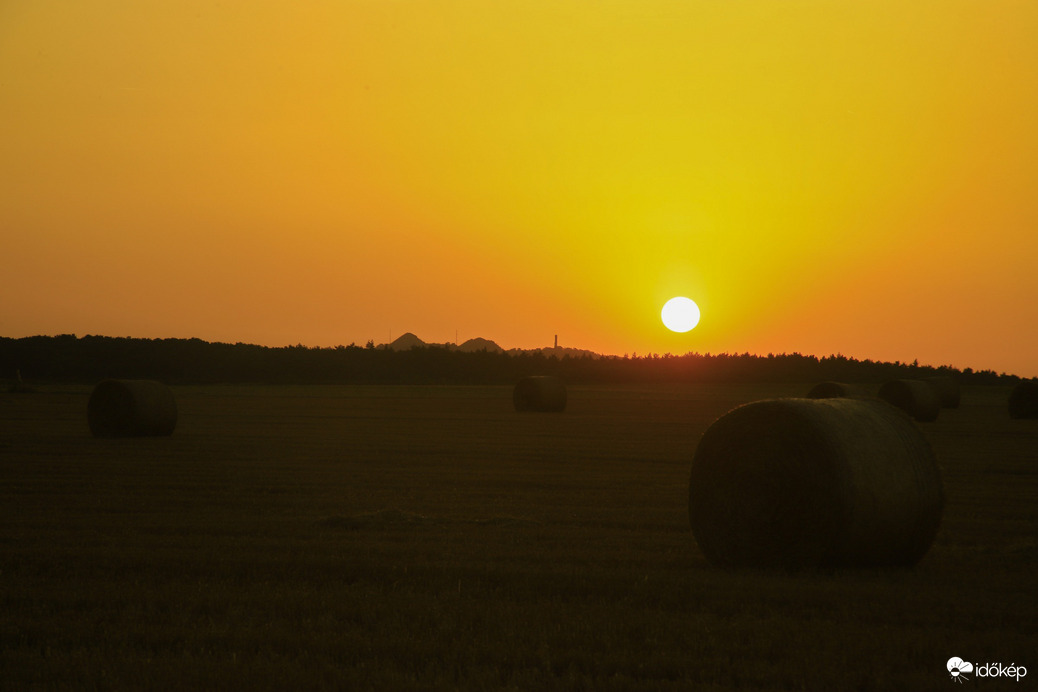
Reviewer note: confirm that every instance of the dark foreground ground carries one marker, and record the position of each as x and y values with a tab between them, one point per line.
431	538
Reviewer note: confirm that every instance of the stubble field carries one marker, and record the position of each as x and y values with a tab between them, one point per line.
432	538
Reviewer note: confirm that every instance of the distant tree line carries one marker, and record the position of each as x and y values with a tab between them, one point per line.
70	359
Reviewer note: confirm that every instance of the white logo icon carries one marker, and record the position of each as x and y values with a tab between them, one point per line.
958	668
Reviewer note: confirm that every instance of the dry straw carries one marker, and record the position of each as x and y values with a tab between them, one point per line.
807	483
1023	400
542	393
831	390
914	397
131	408
947	389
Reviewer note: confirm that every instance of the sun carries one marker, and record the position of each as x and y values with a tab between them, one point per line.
680	314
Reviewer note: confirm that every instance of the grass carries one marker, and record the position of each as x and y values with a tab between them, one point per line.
432	538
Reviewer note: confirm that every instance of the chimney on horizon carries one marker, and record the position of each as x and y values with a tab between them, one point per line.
556	341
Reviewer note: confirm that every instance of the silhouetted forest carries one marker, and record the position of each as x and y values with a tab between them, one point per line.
70	359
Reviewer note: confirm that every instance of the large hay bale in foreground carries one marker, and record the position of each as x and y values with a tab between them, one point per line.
131	408
1023	400
914	397
947	389
542	393
837	390
806	483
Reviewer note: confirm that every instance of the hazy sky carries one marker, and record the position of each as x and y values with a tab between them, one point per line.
820	176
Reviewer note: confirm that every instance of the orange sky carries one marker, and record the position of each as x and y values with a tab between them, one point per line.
819	176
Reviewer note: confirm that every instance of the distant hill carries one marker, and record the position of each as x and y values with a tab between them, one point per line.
408	341
480	344
405	342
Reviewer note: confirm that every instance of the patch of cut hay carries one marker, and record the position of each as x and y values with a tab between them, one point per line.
914	397
807	483
383	518
131	408
836	390
540	393
1023	400
947	389
505	520
389	518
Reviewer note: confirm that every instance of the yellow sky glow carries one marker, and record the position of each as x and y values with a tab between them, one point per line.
855	178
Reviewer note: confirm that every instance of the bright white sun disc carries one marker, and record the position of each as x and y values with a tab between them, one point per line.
680	314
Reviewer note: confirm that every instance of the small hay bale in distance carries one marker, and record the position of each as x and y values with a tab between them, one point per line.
914	397
1023	400
947	389
814	483
131	408
835	390
540	393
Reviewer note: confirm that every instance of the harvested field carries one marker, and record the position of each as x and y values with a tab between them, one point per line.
433	538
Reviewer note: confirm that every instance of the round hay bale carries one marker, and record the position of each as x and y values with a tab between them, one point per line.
947	389
808	483
914	397
1023	400
131	408
541	393
835	390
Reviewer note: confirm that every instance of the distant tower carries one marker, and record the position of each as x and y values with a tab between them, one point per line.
556	341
